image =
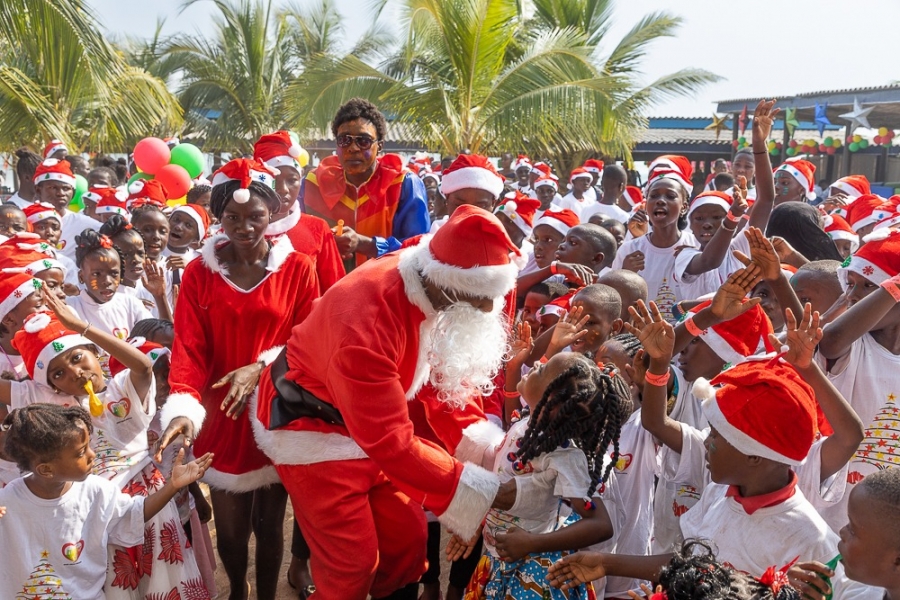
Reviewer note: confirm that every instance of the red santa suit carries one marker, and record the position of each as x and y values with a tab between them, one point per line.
358	489
220	327
311	236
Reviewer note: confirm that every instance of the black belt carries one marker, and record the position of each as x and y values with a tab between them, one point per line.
293	402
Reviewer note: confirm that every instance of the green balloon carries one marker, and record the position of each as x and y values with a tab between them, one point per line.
137	176
742	140
81	186
776	151
791	151
190	158
854	147
863	144
829	141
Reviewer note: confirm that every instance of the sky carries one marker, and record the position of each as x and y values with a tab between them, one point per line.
758	47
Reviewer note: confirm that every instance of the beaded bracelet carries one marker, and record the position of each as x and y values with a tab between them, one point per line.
657	380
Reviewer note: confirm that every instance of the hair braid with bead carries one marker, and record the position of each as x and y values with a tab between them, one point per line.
586	405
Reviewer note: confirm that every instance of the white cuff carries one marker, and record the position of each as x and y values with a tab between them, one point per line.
479	444
182	405
267	357
474	495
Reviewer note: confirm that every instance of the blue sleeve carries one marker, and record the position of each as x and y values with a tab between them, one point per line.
411	217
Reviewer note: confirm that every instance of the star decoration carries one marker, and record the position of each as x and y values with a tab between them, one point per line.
821	119
718	123
859	116
790	120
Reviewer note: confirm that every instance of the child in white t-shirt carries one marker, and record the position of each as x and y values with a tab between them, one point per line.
61	520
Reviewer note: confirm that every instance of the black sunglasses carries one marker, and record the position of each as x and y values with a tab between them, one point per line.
363	142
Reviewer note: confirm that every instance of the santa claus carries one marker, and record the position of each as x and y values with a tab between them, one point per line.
418	332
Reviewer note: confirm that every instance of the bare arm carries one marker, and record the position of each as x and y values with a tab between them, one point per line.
855	322
763	119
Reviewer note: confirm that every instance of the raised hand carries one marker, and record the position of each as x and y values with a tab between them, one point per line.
832	203
655	334
154	278
186	474
576	273
802	337
571	571
64	313
763	253
739	204
763	119
634	262
569	328
730	300
521	344
639	223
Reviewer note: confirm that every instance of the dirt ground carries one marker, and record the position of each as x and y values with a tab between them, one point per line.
284	590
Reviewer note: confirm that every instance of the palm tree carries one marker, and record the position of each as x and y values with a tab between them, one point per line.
478	75
60	79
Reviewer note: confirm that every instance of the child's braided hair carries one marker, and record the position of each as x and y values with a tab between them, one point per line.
39	432
630	344
150	328
584	404
91	241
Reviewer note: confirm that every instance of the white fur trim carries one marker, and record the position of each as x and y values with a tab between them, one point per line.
887	224
800	177
840	234
867	269
195	217
707	200
479	441
54	146
702	390
474	495
487	282
875	236
737	438
509	209
48	213
281	249
61	177
847	188
408	265
53	349
245	482
582	176
278	254
290	447
18	295
472	177
182	405
721	347
277	162
267	357
875	217
552	222
241	195
286	224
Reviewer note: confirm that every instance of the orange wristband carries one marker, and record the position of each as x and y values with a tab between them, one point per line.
692	327
892	287
657	380
508	394
553	269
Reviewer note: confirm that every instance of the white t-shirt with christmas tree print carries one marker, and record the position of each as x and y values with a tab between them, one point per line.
56	549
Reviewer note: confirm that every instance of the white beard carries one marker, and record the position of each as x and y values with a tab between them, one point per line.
466	350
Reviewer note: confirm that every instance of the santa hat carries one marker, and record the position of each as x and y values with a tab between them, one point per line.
542	168
432	175
52	169
472	171
15	286
111	202
888	223
580	173
558	306
521	161
151	350
714	198
838	229
39	211
42	339
246	171
277	150
53	147
519	209
146	191
592	165
560	220
633	195
198	214
674	167
853	185
470	254
547	181
763	408
27	253
735	340
878	260
868	210
93	195
803	171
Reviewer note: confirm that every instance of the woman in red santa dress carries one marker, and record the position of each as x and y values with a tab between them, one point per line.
308	234
417	331
236	304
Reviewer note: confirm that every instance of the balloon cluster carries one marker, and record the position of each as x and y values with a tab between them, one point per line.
173	168
885	137
857	143
774	147
828	146
740	143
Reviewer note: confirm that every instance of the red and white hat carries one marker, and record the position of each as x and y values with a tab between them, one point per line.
542	168
151	350
27	253
93	194
519	209
890	222
560	220
146	191
42	339
53	147
853	185
838	229
39	211
546	180
198	214
736	340
877	260
15	286
278	150
592	165
432	175
804	172
714	198
522	160
52	169
246	171
580	173
672	166
111	202
471	254
868	210
633	195
763	408
472	171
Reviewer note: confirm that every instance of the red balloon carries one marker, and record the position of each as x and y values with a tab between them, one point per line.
849	139
877	139
151	154
175	179
792	143
734	143
823	148
813	149
831	150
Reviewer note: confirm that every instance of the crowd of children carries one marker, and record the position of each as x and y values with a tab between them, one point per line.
698	393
